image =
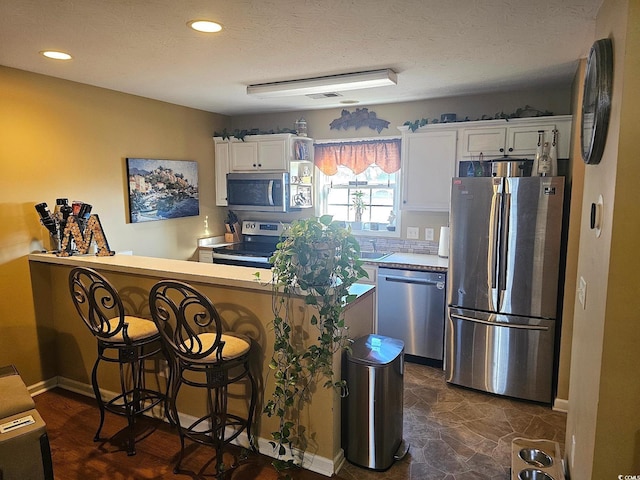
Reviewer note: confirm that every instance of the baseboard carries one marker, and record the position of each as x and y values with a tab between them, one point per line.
315	463
41	387
561	405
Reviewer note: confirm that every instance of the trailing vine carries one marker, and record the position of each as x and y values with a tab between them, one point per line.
523	112
318	259
240	134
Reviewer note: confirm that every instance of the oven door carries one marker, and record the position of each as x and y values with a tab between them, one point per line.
241	260
243	255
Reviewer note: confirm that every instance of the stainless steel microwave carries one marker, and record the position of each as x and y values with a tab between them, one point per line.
258	192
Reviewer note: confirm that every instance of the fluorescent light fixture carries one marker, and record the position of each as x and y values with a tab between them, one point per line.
55	55
331	83
205	26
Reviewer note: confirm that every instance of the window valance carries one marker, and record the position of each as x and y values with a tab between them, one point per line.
358	156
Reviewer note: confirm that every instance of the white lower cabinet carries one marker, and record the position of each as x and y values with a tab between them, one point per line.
428	163
372	271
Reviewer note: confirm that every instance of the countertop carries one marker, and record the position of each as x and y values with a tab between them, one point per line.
211	273
414	261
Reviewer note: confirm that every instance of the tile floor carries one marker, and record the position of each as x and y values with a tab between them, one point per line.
460	434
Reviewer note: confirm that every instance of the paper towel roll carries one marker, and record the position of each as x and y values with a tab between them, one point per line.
443	246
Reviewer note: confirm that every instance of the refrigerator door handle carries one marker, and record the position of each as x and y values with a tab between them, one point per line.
504	244
499	324
494	238
494	243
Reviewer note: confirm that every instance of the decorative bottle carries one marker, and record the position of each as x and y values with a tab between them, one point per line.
544	164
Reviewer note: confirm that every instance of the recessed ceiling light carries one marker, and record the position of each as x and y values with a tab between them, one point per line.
205	26
55	55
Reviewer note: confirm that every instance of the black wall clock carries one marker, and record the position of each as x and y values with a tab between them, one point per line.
596	102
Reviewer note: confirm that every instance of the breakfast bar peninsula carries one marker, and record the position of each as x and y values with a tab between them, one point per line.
245	305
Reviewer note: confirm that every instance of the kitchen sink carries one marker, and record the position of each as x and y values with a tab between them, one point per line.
373	255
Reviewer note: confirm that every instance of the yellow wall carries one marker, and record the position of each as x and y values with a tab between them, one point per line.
65	139
604	417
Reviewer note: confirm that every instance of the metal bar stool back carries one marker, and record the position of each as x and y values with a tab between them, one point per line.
206	357
122	339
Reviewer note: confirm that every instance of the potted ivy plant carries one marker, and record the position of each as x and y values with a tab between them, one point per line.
358	206
319	260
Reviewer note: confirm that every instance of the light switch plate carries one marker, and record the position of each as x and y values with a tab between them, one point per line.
413	233
428	233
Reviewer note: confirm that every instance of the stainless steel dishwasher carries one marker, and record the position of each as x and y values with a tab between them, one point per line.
411	308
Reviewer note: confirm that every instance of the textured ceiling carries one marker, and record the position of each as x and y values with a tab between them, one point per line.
438	47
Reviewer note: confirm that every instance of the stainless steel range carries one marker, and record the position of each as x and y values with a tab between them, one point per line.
259	243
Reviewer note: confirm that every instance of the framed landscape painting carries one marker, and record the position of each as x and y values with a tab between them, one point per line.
162	189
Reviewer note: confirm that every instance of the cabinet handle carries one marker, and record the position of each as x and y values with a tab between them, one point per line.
511	149
259	165
501	150
254	165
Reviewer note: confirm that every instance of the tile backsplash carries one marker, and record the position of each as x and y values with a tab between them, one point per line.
397	245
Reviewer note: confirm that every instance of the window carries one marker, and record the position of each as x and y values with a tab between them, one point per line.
367	168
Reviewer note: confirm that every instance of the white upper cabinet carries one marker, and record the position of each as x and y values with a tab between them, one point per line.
517	137
270	153
221	168
428	163
243	156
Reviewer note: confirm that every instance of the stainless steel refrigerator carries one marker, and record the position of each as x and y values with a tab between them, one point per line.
504	268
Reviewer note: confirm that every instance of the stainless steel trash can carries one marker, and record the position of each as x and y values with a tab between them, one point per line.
372	411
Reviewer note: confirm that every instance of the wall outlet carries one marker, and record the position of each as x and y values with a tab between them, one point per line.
413	233
428	233
582	292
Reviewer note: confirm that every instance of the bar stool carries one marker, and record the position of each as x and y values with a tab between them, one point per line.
204	357
123	339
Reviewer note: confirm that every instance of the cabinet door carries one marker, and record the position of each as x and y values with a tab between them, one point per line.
485	141
273	155
428	164
523	141
221	170
244	156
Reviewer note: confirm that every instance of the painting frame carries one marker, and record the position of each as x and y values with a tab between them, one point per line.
161	189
